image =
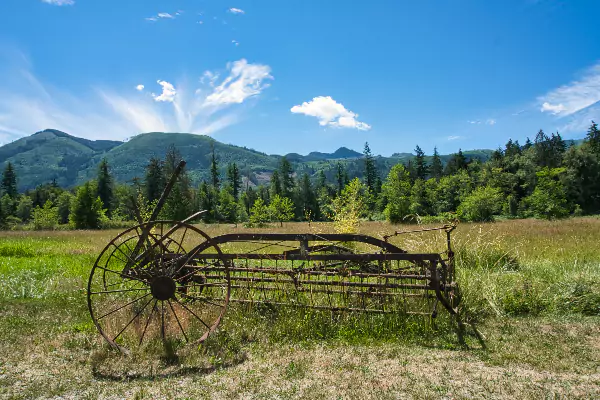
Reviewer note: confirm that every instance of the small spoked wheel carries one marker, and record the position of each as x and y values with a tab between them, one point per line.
149	284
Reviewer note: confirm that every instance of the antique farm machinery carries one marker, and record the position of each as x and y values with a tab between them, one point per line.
170	281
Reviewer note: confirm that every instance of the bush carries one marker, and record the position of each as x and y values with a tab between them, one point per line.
481	205
45	218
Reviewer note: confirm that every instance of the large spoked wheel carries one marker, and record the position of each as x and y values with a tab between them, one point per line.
147	286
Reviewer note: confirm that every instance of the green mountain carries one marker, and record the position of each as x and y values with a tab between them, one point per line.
54	155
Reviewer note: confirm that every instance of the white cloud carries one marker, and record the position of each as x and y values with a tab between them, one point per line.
574	96
244	81
455	137
153	19
234	10
330	113
59	2
168	92
474	122
139	87
27	105
491	121
519	112
235	42
165	15
554	109
200	22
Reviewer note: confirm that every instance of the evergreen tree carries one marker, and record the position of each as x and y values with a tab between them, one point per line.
307	206
287	178
154	181
339	177
234	178
421	167
593	138
105	187
370	168
248	198
214	168
178	205
228	210
456	163
86	209
207	200
9	181
436	165
276	184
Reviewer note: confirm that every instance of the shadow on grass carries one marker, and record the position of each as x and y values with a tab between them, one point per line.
218	352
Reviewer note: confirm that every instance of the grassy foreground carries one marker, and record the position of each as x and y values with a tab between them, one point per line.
531	297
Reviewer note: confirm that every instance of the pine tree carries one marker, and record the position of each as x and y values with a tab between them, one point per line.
214	168
234	178
178	205
370	168
593	138
9	181
306	200
154	181
287	179
456	163
105	187
275	184
339	177
421	167
86	209
436	165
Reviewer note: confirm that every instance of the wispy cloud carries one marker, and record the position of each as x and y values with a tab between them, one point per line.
450	138
245	80
235	42
574	96
330	113
59	2
234	10
519	112
28	105
489	121
164	15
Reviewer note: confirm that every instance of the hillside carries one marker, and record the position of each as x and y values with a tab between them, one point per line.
54	155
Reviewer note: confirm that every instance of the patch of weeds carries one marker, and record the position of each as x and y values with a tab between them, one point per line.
223	350
581	297
295	370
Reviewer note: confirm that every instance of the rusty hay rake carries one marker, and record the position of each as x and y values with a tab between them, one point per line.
170	281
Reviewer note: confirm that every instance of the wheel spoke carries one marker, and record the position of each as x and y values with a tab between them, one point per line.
194	314
133	319
177	319
123	306
187	296
120	291
148	321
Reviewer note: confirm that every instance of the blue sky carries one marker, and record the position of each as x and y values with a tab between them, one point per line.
297	76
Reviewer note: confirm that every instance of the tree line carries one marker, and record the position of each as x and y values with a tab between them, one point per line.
543	178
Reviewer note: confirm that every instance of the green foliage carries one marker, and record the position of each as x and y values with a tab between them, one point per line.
105	187
549	199
281	209
86	208
481	205
234	179
259	214
397	190
9	181
24	208
370	169
593	138
45	218
154	181
228	207
348	208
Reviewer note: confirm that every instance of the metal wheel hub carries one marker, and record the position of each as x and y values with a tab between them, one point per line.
163	288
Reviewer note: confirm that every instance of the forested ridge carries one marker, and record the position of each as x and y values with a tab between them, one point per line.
544	178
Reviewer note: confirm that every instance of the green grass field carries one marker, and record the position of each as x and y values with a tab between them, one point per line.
531	300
